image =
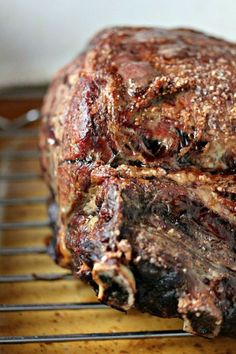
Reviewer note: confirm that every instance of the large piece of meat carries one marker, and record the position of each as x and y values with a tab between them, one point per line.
138	145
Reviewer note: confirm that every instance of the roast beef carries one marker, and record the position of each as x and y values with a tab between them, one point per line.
138	142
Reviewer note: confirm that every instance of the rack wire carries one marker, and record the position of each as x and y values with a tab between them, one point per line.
41	250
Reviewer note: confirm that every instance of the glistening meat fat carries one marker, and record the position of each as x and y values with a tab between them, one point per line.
138	143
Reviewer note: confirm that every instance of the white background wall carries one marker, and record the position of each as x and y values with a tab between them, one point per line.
38	36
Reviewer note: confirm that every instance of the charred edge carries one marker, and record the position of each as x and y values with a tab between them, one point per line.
203	324
157	289
116	285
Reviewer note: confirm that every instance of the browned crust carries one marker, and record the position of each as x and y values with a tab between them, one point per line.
144	104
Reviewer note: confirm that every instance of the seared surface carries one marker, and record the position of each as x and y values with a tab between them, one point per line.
138	148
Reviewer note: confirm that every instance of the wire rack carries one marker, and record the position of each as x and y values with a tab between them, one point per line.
12	131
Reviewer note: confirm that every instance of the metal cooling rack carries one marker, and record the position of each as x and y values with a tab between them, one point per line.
8	131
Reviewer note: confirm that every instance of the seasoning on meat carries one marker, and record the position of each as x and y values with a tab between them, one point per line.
138	145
